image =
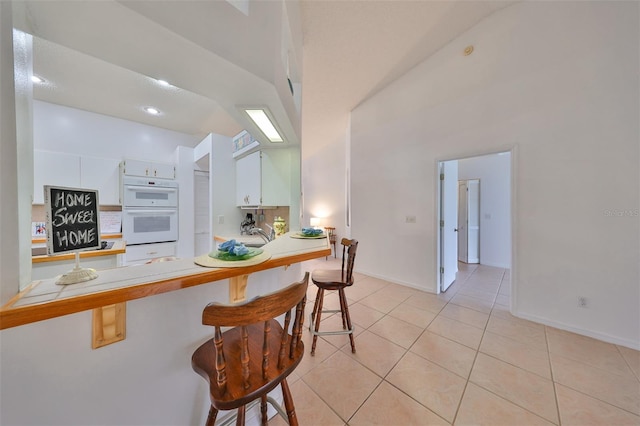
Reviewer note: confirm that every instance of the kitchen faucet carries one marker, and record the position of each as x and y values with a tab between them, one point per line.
266	237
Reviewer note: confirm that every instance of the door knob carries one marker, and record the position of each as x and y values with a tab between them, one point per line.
455	229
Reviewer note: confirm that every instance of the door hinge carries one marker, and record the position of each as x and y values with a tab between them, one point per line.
442	224
441	176
442	269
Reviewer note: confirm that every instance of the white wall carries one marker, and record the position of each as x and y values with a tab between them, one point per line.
9	214
494	172
324	182
558	84
70	130
222	184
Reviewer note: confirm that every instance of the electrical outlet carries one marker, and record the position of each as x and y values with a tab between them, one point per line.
410	219
582	302
220	220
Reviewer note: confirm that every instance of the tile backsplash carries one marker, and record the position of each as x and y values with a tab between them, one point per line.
269	216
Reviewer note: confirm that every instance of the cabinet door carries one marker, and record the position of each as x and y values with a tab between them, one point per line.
54	168
164	171
276	185
248	171
137	168
101	174
138	254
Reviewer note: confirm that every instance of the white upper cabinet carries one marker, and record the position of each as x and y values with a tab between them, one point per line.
148	169
75	171
101	174
248	180
263	179
276	177
54	168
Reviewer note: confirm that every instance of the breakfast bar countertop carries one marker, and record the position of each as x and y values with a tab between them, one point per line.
44	299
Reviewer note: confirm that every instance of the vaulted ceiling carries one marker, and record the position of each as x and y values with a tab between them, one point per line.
105	56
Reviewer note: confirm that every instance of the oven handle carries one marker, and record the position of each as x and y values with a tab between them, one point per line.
150	188
150	211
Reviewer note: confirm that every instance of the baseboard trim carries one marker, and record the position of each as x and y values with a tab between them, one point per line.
584	332
396	281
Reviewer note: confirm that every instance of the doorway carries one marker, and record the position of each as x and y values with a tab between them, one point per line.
469	221
488	232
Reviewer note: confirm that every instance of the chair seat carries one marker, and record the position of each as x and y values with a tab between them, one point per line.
203	362
330	279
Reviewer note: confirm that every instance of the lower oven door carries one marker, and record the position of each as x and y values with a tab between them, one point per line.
142	226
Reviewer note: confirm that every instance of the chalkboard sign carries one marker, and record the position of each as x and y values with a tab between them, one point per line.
72	219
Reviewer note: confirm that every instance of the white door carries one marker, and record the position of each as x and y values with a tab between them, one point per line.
473	221
448	223
202	218
463	247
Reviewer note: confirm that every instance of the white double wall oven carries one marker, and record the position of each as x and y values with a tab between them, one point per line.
149	210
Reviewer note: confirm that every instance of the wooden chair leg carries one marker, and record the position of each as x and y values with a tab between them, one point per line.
343	303
346	311
288	403
315	306
240	418
318	318
263	409
211	418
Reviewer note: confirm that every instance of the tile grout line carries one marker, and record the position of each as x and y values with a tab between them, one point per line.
466	385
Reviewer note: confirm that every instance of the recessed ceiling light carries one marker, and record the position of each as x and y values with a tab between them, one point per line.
37	79
152	110
163	82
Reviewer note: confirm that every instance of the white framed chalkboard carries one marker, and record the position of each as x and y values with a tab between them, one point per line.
72	219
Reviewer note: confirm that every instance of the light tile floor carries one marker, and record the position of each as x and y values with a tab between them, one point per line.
457	358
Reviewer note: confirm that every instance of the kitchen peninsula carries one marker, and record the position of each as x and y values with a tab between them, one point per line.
44	299
44	266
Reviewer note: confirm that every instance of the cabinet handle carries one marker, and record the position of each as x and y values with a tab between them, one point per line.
153	252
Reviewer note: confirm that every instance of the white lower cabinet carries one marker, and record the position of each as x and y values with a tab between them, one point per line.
144	253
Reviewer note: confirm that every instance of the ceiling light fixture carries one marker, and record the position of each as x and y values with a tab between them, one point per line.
152	110
163	82
37	79
263	121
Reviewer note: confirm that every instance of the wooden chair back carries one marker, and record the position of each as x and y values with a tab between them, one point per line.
331	235
249	360
349	248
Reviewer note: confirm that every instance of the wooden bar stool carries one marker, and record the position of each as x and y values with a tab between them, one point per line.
248	361
336	279
331	234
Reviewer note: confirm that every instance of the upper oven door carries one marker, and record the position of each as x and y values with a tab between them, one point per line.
150	196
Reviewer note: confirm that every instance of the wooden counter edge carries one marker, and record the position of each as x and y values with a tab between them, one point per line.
83	255
20	315
102	236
